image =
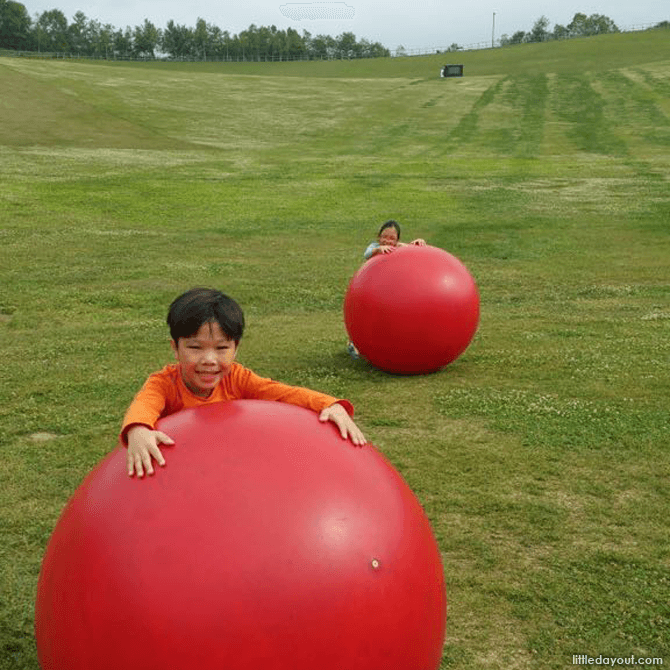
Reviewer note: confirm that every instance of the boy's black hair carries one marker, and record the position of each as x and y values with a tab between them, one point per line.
391	223
203	305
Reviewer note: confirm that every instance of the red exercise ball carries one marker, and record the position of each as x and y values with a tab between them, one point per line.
412	311
266	541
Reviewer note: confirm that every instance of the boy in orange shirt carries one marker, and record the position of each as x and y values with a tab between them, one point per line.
206	327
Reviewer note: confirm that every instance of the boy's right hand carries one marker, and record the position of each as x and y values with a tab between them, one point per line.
142	447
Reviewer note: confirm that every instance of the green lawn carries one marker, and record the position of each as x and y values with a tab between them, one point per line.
541	455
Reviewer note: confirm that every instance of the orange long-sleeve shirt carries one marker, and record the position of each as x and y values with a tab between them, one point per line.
165	393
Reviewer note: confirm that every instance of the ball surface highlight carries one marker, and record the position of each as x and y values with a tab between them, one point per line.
266	541
412	311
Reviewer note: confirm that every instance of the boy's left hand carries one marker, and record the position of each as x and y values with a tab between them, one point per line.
348	429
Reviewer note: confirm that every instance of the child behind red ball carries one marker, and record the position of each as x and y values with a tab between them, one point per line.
206	327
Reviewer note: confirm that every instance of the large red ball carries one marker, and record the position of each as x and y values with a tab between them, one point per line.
412	311
267	541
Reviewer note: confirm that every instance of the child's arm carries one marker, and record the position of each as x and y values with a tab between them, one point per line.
142	447
348	429
151	402
417	243
375	248
247	384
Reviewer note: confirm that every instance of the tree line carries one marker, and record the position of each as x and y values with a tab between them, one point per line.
580	26
50	32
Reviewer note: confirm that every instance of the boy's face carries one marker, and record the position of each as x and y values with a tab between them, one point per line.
204	358
388	237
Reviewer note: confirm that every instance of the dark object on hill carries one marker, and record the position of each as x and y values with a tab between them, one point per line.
451	71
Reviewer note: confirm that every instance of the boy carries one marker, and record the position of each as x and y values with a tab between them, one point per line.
206	327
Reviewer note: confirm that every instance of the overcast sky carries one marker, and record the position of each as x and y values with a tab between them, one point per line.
414	24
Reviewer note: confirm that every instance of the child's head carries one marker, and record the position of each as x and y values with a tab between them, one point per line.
193	309
389	233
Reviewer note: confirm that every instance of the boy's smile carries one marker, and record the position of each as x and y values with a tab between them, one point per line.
204	358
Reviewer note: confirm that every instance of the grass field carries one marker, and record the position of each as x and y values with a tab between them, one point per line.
541	455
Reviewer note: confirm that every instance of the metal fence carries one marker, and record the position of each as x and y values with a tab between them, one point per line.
496	43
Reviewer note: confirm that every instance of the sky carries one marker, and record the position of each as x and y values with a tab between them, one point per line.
414	24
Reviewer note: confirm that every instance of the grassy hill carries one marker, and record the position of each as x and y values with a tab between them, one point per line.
618	78
540	455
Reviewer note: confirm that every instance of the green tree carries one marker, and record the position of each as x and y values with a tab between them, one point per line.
367	49
539	32
264	42
228	46
295	45
202	39
93	36
249	41
53	31
177	40
518	38
600	24
146	39
586	26
123	43
560	32
274	42
220	42
105	43
98	39
15	26
77	34
322	47
347	47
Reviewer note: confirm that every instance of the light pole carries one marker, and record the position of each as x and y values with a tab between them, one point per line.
493	31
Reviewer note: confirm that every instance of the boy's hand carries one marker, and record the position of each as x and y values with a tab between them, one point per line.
339	416
142	447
